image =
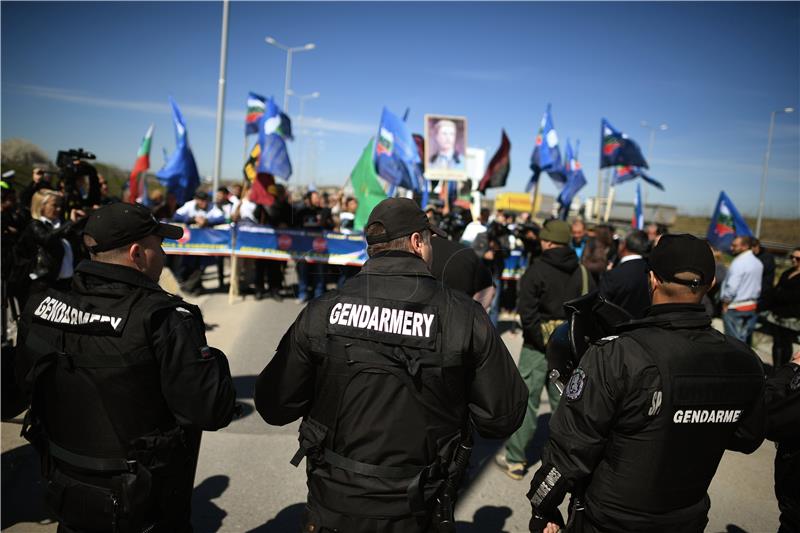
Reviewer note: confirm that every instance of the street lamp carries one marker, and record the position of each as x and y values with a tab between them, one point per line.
661	127
303	98
289	51
786	110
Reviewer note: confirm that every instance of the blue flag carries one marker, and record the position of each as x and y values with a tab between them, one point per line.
575	180
627	173
273	127
546	155
179	174
726	224
637	222
616	149
396	157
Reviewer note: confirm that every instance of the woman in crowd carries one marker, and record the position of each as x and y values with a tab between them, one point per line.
599	252
48	249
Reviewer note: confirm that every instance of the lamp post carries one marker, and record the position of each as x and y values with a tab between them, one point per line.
289	51
303	98
786	110
661	127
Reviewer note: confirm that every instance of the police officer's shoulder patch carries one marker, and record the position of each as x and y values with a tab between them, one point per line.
577	382
794	384
606	340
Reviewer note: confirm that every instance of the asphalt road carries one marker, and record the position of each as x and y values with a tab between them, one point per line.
245	483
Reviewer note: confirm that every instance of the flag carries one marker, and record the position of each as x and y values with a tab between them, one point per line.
263	189
546	155
142	164
249	169
274	120
274	159
366	186
256	106
500	165
575	179
396	156
273	127
179	174
626	173
637	222
726	224
616	149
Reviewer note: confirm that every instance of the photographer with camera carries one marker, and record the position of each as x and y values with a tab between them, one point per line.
492	246
80	183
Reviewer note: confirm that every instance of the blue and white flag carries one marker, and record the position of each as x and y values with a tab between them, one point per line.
546	156
616	149
575	178
627	173
396	157
179	174
726	224
637	221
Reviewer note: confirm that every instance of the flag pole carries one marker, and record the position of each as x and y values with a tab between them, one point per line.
223	59
596	208
609	203
536	199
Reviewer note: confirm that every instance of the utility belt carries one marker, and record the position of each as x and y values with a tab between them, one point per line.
105	494
421	483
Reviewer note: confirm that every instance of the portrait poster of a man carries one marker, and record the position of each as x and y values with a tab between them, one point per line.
445	147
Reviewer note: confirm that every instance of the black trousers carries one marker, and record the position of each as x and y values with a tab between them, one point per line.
274	274
787	488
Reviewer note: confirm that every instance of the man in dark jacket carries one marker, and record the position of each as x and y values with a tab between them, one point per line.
552	279
390	373
122	383
647	414
626	284
783	404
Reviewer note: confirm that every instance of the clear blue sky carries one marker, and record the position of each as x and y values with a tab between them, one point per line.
96	75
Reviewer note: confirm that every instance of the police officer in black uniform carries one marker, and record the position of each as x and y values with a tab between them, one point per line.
122	383
388	373
783	421
647	415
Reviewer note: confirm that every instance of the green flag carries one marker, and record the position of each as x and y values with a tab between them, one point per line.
367	187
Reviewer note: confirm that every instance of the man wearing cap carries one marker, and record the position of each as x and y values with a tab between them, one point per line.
389	374
552	279
647	415
122	383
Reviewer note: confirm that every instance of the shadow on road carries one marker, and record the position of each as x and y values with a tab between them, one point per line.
22	489
287	520
207	515
487	519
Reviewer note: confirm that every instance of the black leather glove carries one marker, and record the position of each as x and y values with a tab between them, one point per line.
539	520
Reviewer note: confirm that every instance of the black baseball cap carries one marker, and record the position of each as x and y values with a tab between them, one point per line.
118	224
400	217
683	253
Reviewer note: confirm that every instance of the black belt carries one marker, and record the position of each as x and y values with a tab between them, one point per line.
98	464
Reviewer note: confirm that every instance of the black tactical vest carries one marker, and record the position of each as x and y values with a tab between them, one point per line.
390	397
708	384
98	417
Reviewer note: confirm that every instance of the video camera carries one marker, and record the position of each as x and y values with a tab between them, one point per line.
455	221
589	318
72	170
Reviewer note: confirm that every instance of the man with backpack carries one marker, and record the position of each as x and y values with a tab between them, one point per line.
390	373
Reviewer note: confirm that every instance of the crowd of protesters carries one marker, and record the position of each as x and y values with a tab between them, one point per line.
42	244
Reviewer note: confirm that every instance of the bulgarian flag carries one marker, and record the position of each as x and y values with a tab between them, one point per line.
142	164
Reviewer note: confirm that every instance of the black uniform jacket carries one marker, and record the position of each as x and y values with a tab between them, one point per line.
401	417
552	279
646	417
195	384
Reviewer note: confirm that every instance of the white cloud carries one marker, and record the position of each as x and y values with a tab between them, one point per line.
65	95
